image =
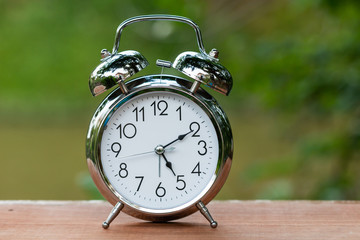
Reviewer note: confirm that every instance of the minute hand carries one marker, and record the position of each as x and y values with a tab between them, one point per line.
179	138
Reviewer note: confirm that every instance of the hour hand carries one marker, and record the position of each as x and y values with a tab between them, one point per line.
168	164
160	150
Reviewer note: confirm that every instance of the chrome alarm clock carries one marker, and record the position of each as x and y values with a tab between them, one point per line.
159	147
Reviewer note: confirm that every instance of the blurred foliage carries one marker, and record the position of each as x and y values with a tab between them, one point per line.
296	60
306	61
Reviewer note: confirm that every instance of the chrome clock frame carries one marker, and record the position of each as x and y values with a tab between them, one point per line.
135	88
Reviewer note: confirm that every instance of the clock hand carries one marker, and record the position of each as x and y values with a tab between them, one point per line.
168	164
144	153
160	150
179	138
159	166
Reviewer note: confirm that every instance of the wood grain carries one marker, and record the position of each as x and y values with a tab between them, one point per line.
277	220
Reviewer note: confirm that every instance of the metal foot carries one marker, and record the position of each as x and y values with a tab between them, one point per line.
113	214
205	212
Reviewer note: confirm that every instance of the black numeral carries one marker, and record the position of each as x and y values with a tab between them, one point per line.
179	110
154	105
137	113
161	106
196	169
195	126
129	130
123	173
182	182
203	147
141	180
116	148
160	191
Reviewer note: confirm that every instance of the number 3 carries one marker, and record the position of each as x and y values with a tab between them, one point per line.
203	147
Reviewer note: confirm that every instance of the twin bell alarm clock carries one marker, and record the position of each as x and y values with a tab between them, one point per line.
159	147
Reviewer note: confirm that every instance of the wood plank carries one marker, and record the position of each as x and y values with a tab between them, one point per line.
237	220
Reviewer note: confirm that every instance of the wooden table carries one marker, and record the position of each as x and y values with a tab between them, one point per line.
277	220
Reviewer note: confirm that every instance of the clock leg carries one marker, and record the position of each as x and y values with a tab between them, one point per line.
113	214
205	212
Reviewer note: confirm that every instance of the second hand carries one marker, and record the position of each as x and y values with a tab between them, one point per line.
144	153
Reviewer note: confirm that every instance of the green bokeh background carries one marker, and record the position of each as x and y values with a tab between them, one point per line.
294	107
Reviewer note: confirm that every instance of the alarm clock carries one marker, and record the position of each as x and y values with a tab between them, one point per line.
159	147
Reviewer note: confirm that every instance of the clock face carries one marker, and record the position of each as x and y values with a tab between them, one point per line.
159	151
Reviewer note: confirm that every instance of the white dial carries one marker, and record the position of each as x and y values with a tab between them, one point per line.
159	151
